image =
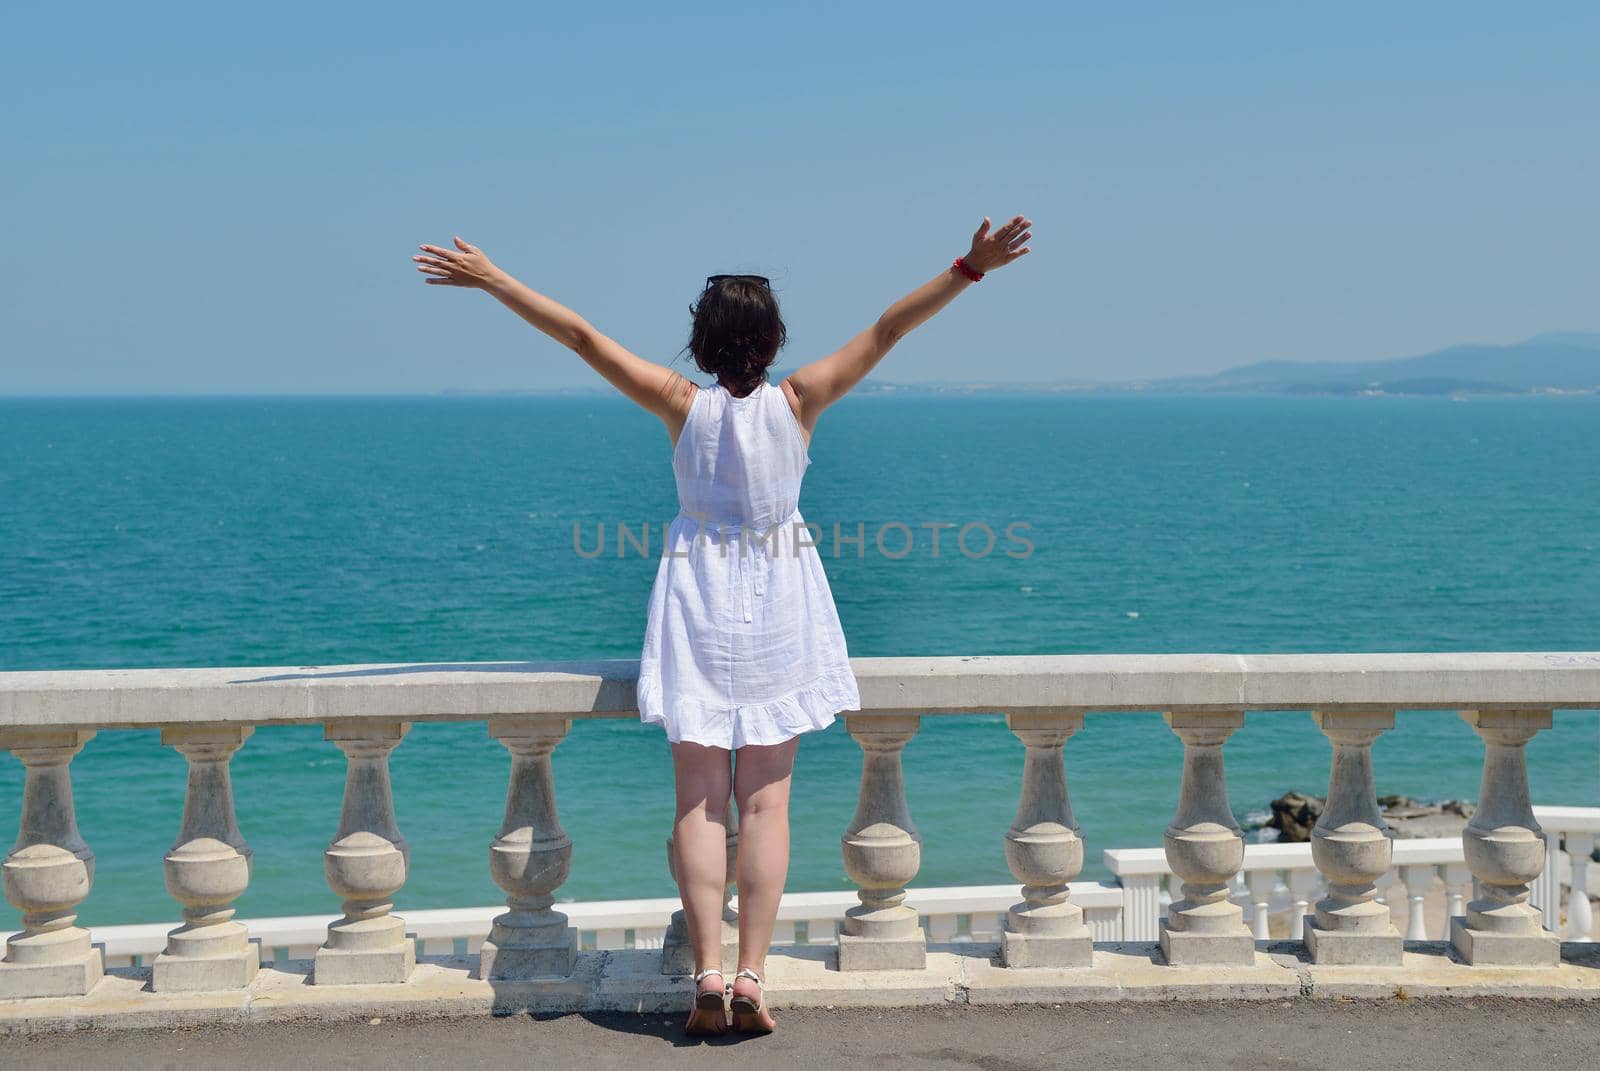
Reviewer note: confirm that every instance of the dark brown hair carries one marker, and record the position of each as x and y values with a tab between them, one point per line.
737	332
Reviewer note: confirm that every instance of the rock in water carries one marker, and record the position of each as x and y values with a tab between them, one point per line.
1411	818
1293	816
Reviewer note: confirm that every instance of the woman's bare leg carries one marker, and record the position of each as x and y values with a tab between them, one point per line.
699	838
761	786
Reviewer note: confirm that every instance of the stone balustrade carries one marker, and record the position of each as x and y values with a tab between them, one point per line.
1276	879
208	714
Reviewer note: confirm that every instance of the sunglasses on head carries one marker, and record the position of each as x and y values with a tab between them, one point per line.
712	280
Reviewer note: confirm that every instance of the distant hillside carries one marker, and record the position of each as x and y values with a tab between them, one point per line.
1555	362
1558	361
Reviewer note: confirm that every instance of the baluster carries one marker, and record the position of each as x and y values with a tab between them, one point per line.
1205	848
1302	883
1383	882
1044	849
1544	891
530	859
1505	848
1141	906
48	874
207	869
1458	885
1352	846
1418	880
366	864
882	853
677	954
1261	883
1580	920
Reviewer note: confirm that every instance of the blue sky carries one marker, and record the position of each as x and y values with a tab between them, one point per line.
219	198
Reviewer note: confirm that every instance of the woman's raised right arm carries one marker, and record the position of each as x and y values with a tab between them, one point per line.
821	383
654	387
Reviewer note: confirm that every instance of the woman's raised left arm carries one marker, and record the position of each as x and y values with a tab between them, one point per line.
655	387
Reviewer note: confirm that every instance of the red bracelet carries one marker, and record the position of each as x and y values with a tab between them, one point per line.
961	265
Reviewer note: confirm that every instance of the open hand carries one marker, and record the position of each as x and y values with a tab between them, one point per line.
465	265
991	251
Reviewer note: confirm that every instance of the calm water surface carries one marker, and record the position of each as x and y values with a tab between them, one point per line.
263	532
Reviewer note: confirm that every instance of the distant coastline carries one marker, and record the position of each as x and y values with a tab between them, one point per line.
1555	363
874	389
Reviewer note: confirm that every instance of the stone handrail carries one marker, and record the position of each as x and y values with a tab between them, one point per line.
475	691
207	714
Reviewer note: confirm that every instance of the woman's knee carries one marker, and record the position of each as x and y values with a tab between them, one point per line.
761	778
769	800
706	795
714	806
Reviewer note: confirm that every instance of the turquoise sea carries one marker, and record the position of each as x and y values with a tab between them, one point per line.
301	531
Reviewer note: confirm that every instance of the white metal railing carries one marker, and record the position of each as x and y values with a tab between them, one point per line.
207	714
965	913
1275	877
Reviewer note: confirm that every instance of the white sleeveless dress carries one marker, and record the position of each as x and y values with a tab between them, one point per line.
743	643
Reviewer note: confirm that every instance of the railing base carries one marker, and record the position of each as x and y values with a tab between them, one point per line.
389	966
197	974
1484	949
1337	948
677	954
1183	948
74	978
677	957
1034	950
514	964
883	953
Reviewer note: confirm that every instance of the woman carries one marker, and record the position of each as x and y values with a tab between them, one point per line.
743	651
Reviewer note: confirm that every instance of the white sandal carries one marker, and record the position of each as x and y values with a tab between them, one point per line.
708	1002
746	1012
